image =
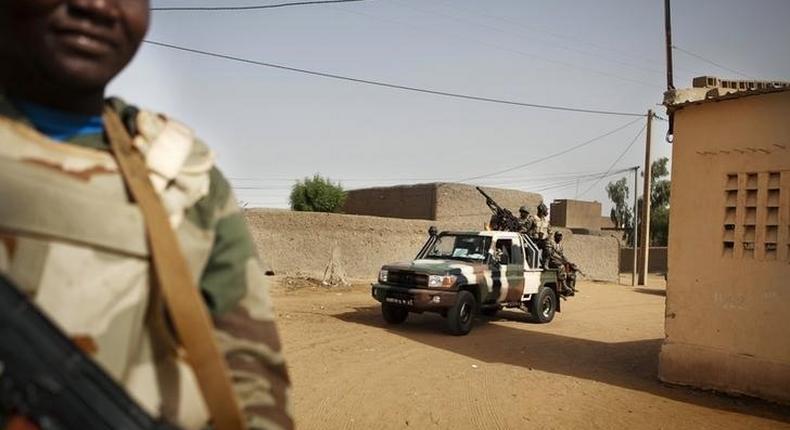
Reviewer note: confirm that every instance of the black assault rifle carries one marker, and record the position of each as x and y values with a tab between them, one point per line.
503	219
47	379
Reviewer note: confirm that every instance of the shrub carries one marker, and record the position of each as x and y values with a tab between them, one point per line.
317	194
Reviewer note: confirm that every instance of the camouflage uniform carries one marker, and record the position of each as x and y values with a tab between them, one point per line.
70	238
555	259
527	223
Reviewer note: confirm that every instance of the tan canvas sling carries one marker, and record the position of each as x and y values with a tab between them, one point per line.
187	310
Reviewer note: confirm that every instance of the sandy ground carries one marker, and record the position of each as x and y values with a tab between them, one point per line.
594	366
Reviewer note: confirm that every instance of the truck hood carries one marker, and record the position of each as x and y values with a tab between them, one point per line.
433	266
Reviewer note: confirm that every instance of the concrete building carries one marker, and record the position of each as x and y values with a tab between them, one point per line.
576	214
436	201
728	290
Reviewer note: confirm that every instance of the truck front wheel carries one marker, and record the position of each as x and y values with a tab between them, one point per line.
460	316
394	314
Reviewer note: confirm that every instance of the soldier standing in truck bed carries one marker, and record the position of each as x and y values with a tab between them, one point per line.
526	219
73	240
539	227
539	230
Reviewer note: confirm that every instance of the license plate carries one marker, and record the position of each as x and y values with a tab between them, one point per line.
398	301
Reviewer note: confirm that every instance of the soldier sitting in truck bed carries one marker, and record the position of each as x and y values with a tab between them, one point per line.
566	271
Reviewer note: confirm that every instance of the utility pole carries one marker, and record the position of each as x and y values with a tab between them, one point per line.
668	33
644	234
633	228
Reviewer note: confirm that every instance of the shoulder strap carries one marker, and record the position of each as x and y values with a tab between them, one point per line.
187	309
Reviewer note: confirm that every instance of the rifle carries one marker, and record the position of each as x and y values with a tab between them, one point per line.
503	219
46	379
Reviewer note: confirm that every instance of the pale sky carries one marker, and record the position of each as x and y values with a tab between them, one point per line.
270	127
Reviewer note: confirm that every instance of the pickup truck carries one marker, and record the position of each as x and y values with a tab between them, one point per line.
460	274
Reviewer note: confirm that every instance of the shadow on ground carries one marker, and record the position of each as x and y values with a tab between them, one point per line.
651	291
632	365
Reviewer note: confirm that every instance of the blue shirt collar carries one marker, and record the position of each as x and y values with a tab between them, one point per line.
60	125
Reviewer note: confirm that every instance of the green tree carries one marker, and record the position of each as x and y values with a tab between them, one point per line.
659	203
622	214
317	194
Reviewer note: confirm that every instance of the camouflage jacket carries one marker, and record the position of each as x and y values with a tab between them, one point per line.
555	253
539	228
72	240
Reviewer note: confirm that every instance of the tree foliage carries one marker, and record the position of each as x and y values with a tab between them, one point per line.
317	194
659	203
622	212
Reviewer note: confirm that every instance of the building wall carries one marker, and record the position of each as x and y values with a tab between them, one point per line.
435	201
656	260
404	201
302	243
576	214
728	291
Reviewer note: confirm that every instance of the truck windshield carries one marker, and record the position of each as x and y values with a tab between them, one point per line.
460	247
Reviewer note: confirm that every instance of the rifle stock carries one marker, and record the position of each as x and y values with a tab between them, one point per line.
46	379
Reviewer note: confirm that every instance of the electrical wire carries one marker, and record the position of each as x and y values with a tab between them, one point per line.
258	7
531	55
394	86
711	62
576	40
617	160
512	179
556	154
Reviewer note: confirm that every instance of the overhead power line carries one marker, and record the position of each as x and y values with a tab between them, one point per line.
711	62
556	154
533	55
392	85
258	7
250	181
616	160
570	183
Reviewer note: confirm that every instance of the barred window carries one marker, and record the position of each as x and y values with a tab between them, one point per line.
756	216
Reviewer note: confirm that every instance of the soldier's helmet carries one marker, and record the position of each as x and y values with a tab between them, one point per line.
542	209
524	210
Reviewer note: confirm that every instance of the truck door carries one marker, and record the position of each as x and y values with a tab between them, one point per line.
509	278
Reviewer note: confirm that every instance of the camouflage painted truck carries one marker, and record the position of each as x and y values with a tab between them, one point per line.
460	274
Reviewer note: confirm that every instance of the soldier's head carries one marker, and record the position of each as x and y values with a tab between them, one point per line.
67	46
523	211
558	237
542	210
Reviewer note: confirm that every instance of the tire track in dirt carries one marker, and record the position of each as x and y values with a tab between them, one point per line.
393	361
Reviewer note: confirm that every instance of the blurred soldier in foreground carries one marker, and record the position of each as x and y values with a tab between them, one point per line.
73	239
565	269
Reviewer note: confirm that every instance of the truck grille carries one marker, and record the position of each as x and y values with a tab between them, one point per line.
407	278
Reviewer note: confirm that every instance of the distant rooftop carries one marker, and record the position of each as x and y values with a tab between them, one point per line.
710	88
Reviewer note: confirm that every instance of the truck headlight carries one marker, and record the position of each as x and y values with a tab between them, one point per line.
383	275
439	281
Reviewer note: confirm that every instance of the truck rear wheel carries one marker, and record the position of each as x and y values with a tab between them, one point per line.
543	305
394	314
460	316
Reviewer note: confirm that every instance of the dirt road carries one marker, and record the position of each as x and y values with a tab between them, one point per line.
594	366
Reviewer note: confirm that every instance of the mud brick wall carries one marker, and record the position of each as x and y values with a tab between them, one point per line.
435	201
302	243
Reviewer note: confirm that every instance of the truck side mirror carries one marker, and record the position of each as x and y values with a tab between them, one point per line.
433	231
